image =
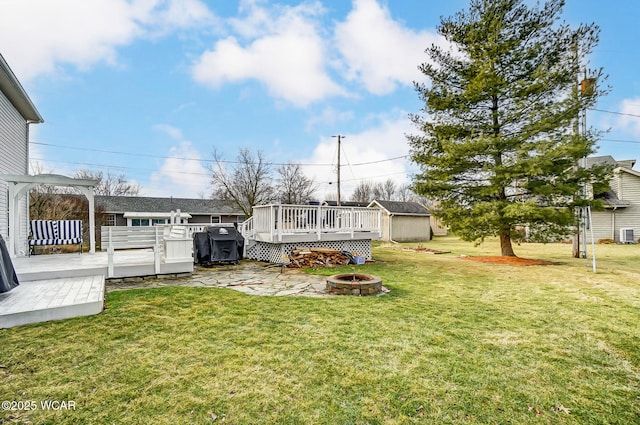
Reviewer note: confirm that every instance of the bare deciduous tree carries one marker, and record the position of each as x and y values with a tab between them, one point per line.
404	193
293	186
111	184
367	191
247	181
363	192
385	190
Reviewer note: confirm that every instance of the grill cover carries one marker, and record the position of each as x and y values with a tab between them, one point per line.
8	277
218	244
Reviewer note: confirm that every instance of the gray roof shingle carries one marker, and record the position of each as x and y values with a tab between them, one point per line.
611	199
122	204
398	207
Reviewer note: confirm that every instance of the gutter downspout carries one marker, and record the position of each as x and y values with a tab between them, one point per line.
613	223
391	229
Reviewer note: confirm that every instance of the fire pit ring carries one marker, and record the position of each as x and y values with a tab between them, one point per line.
354	284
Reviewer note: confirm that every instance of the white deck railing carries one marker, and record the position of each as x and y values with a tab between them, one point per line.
172	240
279	220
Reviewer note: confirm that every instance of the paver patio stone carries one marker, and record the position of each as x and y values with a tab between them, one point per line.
249	277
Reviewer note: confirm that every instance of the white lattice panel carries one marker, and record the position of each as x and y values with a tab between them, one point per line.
273	253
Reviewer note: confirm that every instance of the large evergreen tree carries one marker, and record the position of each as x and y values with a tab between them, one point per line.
498	146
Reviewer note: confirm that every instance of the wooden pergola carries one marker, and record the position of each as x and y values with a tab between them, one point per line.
19	187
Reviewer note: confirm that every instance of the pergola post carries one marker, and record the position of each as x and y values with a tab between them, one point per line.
88	192
16	191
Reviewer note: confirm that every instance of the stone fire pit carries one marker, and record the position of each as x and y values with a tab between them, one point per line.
354	284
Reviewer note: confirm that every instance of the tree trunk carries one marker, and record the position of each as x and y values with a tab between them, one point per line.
575	249
505	245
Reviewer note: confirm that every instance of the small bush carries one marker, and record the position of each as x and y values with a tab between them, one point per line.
606	241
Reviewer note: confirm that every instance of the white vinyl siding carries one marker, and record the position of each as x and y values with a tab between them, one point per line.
629	217
607	224
602	221
13	160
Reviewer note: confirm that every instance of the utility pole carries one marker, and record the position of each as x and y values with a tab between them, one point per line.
340	137
587	88
583	124
576	130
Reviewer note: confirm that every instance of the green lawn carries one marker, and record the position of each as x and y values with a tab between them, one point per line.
455	342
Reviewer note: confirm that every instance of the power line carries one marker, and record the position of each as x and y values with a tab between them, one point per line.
204	160
615	113
121	167
621	141
376	177
118	167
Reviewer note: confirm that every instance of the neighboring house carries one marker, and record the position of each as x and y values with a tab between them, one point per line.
621	202
147	211
403	221
16	113
438	228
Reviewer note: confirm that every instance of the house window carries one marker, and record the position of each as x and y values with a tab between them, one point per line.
215	219
111	220
158	221
139	222
241	219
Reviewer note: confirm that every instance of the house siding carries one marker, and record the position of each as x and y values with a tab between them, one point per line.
384	234
405	228
437	227
13	154
607	224
410	228
120	220
629	217
601	221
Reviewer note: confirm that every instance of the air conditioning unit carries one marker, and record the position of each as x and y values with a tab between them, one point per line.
626	235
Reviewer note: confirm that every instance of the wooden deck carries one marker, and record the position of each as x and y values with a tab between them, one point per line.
62	286
127	263
52	299
307	223
290	237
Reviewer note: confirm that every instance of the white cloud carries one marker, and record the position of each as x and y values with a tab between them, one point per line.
181	175
380	53
372	148
293	52
329	117
37	37
630	123
285	52
179	14
171	131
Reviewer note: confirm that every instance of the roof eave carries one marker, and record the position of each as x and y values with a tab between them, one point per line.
16	94
627	170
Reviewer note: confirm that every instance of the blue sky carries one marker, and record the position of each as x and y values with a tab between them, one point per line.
149	88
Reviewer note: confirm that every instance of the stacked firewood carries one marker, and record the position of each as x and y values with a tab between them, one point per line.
302	257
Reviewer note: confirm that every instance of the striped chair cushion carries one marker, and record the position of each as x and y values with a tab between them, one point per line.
43	232
55	232
68	231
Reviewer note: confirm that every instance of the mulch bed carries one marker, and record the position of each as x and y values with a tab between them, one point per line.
512	261
426	250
